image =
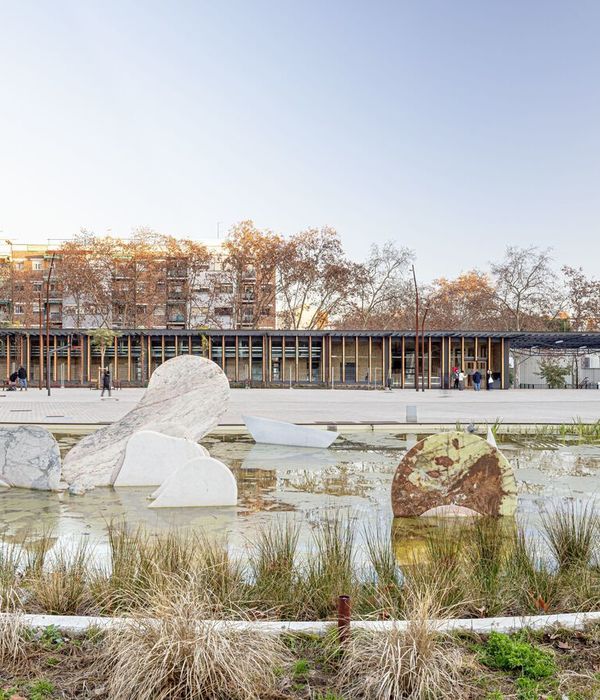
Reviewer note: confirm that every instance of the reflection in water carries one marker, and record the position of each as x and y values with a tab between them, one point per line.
354	476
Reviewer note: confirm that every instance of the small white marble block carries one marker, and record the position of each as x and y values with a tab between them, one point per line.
151	458
203	481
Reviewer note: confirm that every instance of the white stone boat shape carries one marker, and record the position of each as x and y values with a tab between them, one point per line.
276	432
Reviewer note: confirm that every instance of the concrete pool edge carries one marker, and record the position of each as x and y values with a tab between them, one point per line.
77	625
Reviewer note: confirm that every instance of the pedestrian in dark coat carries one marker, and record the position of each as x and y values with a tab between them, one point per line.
105	382
22	375
477	380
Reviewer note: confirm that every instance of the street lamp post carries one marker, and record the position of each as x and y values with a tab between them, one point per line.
416	329
12	282
48	323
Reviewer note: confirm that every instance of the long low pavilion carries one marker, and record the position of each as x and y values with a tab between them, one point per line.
282	357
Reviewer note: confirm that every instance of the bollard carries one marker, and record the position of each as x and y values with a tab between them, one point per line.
343	618
411	414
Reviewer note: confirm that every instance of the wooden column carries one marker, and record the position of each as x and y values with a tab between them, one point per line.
149	357
323	359
429	365
209	348
476	349
89	359
389	374
490	364
403	360
462	353
128	358
502	365
28	357
329	357
310	359
176	346
189	344
344	359
270	359
69	360
443	364
8	356
162	348
370	357
383	374
237	366
297	358
223	352
356	359
282	378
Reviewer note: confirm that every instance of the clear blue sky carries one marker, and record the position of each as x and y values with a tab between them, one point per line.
453	127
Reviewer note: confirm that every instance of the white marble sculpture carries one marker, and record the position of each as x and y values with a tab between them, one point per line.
29	458
203	481
491	439
186	397
151	458
276	432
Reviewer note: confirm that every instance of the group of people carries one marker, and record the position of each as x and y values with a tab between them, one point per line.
18	380
460	378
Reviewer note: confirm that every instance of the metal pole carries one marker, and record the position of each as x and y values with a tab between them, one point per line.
48	322
423	349
41	341
416	329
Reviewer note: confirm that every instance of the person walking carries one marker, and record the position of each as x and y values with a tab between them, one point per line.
490	380
455	376
461	380
22	375
105	382
477	380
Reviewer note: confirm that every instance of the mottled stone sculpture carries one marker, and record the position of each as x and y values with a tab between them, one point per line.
453	469
186	397
29	458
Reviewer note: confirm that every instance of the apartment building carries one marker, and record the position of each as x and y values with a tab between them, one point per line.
157	289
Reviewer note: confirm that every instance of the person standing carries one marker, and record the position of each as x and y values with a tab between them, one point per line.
105	382
477	380
455	376
490	380
461	380
22	376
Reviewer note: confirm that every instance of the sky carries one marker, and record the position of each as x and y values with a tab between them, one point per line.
454	128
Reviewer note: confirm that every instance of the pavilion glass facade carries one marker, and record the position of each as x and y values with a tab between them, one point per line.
265	358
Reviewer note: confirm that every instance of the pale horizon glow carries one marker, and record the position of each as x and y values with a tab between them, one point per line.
455	129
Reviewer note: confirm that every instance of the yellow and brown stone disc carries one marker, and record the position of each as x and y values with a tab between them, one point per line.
455	468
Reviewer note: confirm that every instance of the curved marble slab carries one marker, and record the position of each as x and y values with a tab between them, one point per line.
185	398
151	458
201	482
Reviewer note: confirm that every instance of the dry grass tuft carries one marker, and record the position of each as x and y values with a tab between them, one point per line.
416	664
12	639
181	654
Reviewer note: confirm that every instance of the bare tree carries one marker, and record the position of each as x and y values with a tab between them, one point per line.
380	285
525	286
583	297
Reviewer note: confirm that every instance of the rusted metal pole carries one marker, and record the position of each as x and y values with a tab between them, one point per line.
416	329
423	349
48	280
343	618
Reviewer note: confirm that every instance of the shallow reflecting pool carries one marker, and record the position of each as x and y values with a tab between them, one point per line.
354	475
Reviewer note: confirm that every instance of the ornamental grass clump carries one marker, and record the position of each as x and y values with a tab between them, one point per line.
416	663
175	651
571	531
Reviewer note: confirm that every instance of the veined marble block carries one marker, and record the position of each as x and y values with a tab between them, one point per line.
29	458
151	458
203	481
277	432
185	398
454	469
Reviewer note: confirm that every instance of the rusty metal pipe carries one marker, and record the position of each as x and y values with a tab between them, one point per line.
343	618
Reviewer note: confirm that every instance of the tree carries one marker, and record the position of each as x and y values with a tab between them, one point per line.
103	338
380	286
248	275
553	373
525	287
583	299
315	279
464	303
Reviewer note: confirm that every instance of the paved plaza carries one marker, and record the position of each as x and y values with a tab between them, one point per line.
84	406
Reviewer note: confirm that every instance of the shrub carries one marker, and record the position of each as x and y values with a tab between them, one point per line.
514	654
